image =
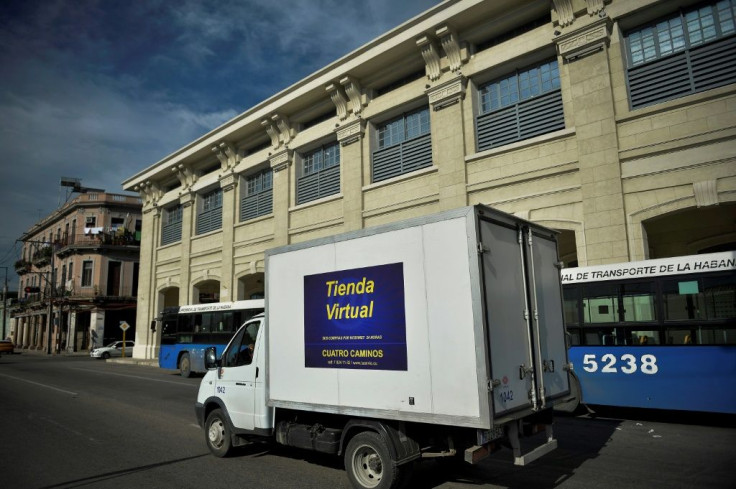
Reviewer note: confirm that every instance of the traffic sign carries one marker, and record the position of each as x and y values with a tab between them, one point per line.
124	325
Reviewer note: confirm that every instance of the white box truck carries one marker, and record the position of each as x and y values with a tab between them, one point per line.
438	336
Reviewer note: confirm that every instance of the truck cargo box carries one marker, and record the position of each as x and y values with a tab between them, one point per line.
454	318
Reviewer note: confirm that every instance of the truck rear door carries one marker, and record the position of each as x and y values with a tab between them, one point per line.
543	273
524	317
507	316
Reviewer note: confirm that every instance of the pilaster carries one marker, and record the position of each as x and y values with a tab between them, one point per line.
585	55
350	137
229	185
282	168
146	293
448	145
188	215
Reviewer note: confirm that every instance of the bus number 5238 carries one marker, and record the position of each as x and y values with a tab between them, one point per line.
627	363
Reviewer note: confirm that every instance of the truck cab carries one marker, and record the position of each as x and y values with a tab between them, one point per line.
234	388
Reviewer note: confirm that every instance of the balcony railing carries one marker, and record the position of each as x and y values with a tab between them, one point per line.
113	238
22	267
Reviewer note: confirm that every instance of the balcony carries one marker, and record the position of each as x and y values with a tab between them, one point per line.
120	239
42	257
22	267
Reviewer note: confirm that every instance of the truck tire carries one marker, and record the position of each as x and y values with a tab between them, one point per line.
185	366
217	434
368	463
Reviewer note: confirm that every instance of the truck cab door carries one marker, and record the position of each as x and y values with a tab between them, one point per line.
236	382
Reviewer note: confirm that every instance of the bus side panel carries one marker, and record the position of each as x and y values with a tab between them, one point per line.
689	378
169	355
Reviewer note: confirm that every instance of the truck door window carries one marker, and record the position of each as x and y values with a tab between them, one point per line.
242	347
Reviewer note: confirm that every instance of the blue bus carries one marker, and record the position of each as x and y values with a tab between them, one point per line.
187	330
656	333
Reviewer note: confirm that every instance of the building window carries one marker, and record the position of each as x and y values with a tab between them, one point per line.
171	227
87	273
320	174
404	145
209	217
257	197
687	52
90	221
520	106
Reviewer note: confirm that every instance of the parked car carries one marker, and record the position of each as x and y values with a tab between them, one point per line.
7	346
114	349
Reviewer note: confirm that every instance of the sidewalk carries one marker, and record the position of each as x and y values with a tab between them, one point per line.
148	362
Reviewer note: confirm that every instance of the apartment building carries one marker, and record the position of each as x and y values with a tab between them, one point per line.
612	121
78	274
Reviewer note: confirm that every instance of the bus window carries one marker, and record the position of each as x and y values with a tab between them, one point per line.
599	304
644	338
570	305
639	300
720	297
682	300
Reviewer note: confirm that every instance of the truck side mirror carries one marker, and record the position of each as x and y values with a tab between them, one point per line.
210	358
153	326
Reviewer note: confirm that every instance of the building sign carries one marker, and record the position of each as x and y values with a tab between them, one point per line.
356	319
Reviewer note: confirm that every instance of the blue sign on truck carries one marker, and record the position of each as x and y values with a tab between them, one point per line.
356	319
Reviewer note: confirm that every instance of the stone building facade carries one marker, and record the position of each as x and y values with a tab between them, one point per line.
78	274
612	121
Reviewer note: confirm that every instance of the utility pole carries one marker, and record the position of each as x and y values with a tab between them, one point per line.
51	283
5	303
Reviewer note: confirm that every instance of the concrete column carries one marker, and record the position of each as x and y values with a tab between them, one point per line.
229	185
448	145
584	53
350	136
97	328
146	293
188	203
282	168
71	339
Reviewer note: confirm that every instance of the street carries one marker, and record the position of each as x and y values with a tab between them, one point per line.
79	422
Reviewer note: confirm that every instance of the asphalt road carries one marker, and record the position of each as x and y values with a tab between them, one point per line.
68	422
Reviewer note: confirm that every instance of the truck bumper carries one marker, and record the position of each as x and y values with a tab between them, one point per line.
199	413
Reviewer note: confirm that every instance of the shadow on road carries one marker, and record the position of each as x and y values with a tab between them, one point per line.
94	479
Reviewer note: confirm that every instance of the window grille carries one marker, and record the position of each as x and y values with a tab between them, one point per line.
520	106
320	175
210	215
688	52
171	225
258	198
404	145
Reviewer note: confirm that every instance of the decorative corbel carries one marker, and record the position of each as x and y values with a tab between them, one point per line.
596	7
358	100
339	99
186	177
565	12
150	192
272	132
431	56
227	155
452	47
286	132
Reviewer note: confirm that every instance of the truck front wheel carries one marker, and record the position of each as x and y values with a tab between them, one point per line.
368	463
217	434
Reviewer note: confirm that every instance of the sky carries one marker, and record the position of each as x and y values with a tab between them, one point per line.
101	89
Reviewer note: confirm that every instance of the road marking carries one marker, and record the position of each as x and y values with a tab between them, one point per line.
135	377
39	384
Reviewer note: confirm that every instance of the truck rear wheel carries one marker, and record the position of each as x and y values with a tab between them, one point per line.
217	434
368	463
